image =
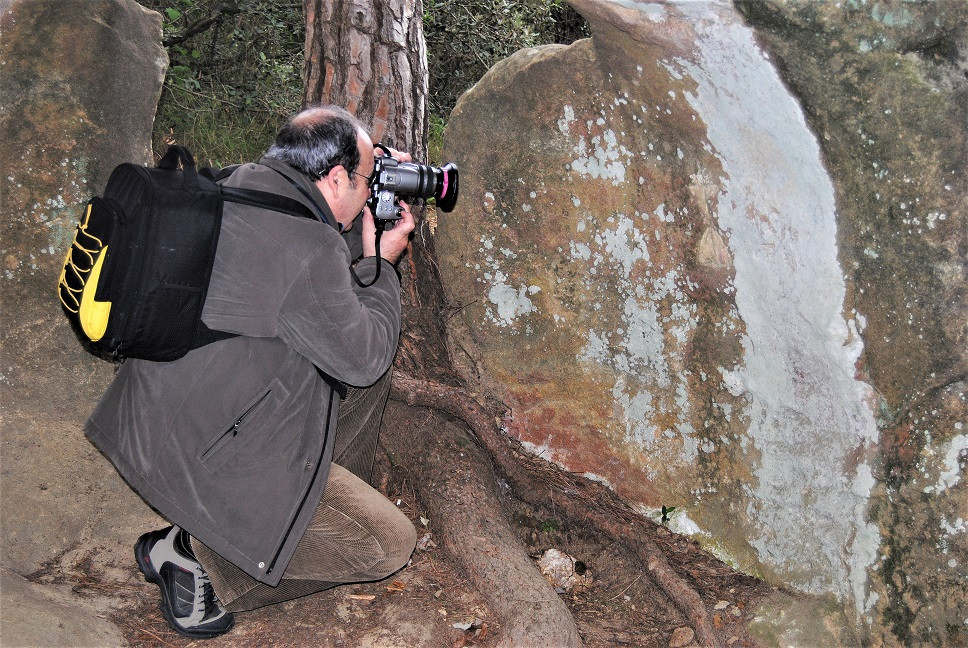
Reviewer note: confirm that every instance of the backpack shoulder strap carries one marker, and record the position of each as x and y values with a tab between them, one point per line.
266	200
320	214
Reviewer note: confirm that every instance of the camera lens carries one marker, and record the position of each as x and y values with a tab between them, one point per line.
392	177
425	181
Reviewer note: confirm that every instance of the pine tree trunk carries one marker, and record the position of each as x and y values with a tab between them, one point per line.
369	56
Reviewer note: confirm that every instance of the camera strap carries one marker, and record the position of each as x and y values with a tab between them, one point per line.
379	263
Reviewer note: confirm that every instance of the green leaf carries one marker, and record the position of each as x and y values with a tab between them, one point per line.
173	14
666	512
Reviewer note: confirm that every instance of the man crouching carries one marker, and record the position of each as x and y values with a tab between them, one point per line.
258	447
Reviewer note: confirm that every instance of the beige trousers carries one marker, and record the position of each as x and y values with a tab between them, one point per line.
356	534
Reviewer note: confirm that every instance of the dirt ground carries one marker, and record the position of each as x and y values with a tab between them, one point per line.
430	603
69	524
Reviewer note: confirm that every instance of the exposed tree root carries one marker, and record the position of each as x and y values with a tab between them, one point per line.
542	484
458	490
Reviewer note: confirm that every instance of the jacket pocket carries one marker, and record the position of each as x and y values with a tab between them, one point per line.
236	434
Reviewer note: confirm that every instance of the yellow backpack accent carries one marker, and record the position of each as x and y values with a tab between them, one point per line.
79	280
94	314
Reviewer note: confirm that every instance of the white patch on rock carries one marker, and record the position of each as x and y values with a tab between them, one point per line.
949	528
599	157
639	349
507	302
543	451
806	410
598	478
564	124
951	464
510	302
638	412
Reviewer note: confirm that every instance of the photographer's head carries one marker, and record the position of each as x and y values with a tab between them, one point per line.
332	147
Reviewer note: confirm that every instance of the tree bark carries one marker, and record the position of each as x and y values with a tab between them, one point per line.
369	56
455	483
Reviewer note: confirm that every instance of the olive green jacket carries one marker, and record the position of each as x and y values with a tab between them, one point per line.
233	441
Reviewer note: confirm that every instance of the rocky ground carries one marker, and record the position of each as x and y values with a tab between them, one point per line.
69	580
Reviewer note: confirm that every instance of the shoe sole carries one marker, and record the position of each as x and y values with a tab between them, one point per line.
142	550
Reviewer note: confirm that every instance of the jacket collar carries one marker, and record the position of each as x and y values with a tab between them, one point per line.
307	188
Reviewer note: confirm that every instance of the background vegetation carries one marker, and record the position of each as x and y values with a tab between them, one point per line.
235	65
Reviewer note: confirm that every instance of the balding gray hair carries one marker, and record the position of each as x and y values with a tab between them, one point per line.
318	139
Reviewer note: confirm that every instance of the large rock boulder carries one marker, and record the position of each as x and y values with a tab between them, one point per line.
729	278
79	83
78	89
885	85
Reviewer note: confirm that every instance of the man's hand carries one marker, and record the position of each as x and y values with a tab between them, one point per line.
394	153
394	241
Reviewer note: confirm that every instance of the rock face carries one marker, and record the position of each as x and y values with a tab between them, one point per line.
78	89
79	83
727	274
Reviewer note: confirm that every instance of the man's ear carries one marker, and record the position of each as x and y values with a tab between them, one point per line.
334	183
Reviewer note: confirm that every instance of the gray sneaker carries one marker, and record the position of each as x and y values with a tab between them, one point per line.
188	601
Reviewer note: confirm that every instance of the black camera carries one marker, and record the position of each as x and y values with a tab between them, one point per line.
392	178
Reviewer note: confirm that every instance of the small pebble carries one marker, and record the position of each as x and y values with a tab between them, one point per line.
681	637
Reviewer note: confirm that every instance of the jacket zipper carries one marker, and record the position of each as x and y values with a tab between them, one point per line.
233	431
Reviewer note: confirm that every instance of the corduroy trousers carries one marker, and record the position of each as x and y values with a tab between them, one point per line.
356	534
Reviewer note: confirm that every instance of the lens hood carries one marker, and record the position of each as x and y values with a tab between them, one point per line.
446	197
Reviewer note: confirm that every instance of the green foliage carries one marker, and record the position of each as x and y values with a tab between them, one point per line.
466	37
235	65
234	75
548	526
435	140
667	512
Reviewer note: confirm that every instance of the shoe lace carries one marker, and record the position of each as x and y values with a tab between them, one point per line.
209	597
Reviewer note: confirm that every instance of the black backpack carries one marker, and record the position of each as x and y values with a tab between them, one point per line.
136	275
